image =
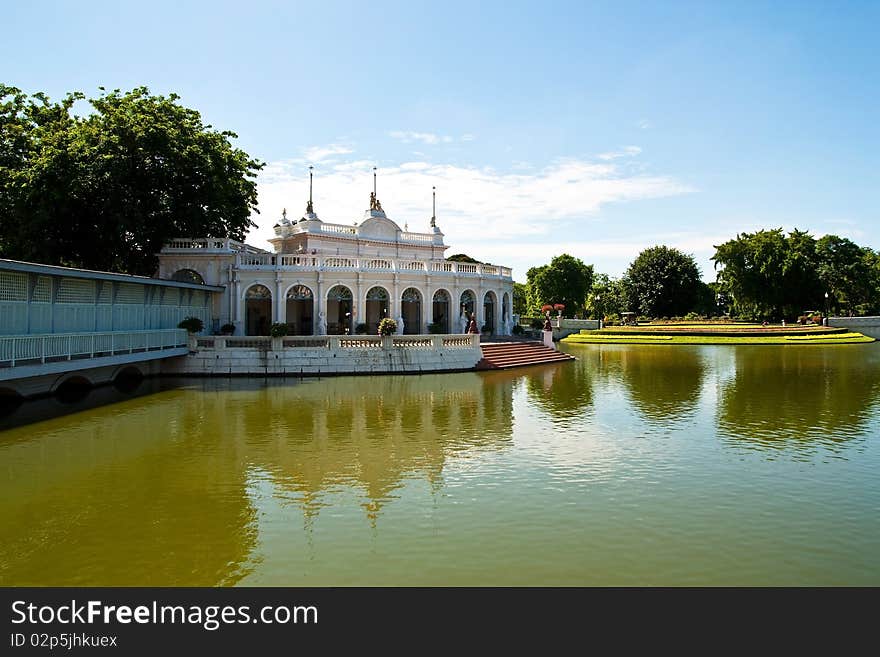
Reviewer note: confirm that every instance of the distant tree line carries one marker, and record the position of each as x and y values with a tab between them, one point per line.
766	275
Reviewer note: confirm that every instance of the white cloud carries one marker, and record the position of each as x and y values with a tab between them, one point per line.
518	218
626	151
429	138
322	153
644	124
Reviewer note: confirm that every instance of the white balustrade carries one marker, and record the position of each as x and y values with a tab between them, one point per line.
339	263
339	342
376	263
338	228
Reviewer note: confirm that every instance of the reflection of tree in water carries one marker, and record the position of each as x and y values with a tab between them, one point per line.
562	391
782	397
664	382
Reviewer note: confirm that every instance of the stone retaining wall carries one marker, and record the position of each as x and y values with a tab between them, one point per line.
867	325
322	355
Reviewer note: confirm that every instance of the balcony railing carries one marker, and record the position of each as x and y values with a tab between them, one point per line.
209	245
296	262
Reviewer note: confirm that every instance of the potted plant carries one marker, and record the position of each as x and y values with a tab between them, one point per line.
387	327
361	328
435	328
192	325
279	330
227	329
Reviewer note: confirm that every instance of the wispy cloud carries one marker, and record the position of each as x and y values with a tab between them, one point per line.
522	210
324	153
626	151
644	124
429	138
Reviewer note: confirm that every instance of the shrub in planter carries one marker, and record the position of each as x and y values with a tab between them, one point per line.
361	328
517	329
387	326
435	328
192	324
486	329
279	330
227	329
537	324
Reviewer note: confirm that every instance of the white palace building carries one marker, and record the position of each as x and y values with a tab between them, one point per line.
337	279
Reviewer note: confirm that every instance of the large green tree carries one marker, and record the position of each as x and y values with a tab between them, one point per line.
846	273
106	189
662	282
768	274
566	280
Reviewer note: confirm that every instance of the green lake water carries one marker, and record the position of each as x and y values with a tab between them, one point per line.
636	465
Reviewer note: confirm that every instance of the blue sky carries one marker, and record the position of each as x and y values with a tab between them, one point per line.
597	129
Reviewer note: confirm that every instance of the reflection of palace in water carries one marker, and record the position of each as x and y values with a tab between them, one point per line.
169	478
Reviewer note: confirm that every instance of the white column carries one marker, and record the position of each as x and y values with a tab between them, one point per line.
279	305
427	307
318	307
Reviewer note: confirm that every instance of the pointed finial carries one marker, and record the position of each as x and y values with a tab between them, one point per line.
284	214
434	208
309	207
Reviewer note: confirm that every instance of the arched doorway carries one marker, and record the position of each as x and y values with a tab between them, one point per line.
257	310
466	303
377	308
300	310
188	276
489	304
440	310
411	310
505	313
339	310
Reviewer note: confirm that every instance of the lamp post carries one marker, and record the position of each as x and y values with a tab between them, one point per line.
599	309
825	319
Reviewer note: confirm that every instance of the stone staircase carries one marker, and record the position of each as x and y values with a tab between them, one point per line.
502	355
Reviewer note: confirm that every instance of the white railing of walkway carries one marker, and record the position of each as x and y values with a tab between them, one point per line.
31	349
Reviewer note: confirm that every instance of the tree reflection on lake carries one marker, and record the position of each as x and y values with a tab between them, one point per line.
798	396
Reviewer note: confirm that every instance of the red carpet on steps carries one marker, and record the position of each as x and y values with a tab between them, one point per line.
501	355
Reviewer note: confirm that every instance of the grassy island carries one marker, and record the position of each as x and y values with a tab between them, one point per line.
718	333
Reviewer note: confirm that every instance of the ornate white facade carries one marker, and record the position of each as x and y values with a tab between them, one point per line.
328	278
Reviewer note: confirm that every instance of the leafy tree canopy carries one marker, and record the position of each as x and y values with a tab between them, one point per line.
106	190
461	257
607	297
520	299
772	275
662	282
566	280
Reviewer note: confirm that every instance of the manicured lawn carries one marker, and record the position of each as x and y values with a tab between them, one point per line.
601	337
